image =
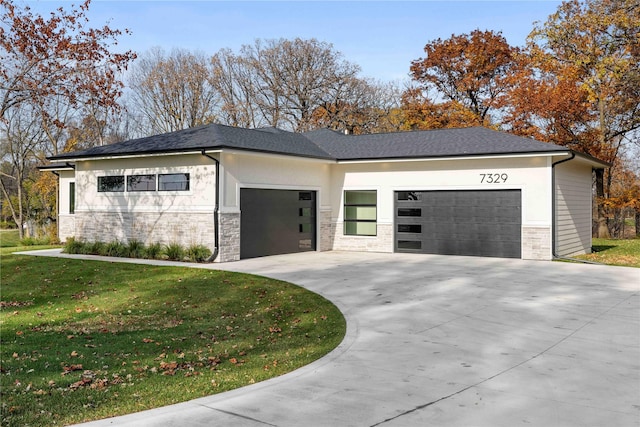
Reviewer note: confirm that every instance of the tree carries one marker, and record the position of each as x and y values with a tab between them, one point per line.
173	91
367	107
60	55
469	70
296	85
21	139
582	87
52	70
294	77
233	79
420	112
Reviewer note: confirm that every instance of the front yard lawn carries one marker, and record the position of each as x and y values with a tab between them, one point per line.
615	252
84	340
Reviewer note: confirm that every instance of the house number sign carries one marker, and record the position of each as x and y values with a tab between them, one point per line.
493	178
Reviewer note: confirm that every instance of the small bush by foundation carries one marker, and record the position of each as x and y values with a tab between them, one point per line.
198	253
153	251
174	252
137	249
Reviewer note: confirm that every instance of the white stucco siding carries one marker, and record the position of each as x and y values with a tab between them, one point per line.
66	219
64	200
199	198
573	184
531	175
246	170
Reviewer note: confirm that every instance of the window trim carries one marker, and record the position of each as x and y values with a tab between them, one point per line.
358	205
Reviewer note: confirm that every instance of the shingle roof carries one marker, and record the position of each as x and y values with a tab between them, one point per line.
208	137
429	143
327	144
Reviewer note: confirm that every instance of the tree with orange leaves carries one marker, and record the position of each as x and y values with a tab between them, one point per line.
579	85
52	69
468	71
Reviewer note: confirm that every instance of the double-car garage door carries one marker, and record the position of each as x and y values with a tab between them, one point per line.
274	222
461	222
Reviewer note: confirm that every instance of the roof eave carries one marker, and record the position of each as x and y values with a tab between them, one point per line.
463	156
57	167
593	161
199	150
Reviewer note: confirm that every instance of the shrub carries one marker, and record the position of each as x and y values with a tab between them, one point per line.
97	248
73	246
135	249
33	241
174	252
153	251
8	225
117	249
198	253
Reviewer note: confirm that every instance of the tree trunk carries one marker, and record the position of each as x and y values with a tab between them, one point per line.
637	223
17	216
602	230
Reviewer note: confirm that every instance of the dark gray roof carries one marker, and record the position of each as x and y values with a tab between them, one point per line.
327	144
429	143
208	137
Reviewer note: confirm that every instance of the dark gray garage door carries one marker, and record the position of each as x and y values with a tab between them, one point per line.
276	222
477	223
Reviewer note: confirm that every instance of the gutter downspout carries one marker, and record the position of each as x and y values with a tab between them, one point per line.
216	249
553	214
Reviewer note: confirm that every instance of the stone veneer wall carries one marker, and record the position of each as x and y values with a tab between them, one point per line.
383	242
66	226
326	235
185	228
229	237
536	243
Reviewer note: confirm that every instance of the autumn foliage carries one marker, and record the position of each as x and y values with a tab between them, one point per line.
55	70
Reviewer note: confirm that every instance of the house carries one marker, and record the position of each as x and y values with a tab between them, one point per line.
254	192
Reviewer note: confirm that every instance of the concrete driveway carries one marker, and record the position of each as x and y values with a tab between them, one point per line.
447	341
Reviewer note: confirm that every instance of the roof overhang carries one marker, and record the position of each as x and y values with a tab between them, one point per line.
458	157
216	149
55	167
595	163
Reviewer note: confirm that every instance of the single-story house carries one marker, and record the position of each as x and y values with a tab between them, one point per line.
254	192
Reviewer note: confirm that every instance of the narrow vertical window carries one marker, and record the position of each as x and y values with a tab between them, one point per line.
360	213
72	197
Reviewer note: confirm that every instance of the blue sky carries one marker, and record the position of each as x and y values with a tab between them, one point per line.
382	37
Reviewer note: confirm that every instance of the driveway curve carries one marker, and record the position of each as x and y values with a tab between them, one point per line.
446	341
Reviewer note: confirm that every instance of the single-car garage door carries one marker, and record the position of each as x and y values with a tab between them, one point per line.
276	222
461	222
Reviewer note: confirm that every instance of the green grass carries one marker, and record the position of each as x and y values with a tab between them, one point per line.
615	252
84	340
9	238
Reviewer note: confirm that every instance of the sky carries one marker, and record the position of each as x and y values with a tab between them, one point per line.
382	37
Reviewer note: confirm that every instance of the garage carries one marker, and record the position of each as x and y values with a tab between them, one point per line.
274	222
459	222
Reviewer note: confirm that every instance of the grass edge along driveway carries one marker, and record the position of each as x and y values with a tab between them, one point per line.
85	340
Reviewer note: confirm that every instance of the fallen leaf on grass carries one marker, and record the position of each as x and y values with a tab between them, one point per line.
4	304
71	368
